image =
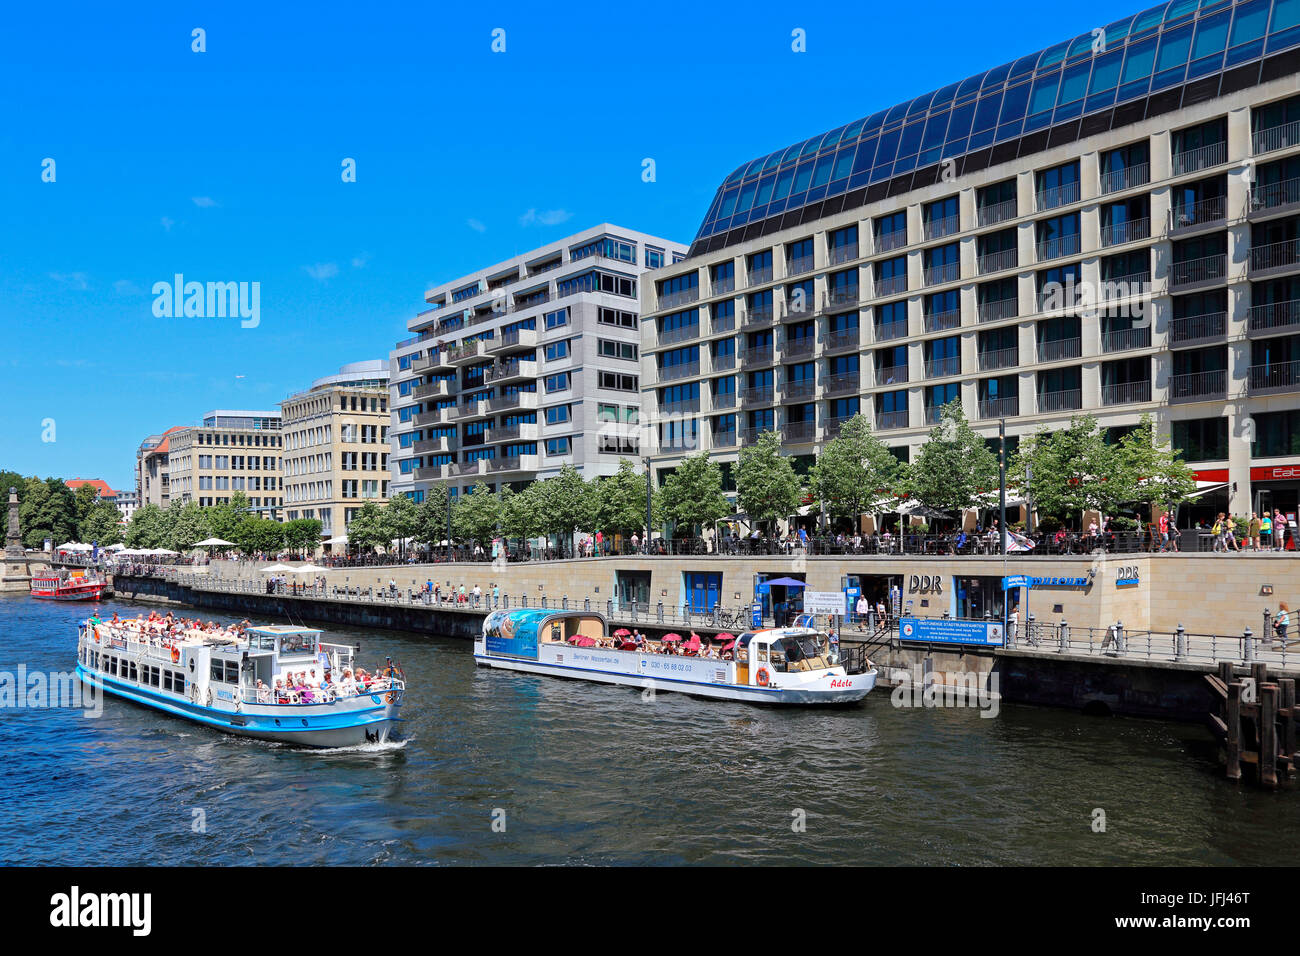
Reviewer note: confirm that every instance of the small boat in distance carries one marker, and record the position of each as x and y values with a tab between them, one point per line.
785	665
242	682
52	587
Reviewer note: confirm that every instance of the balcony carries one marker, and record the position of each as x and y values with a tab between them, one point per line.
1195	329
724	286
682	333
672	373
933	413
840	299
1278	377
514	339
799	265
749	434
436	359
1057	196
1118	233
993	310
797	348
462	469
833	426
799	433
760	275
1275	197
434	416
994	359
1275	137
724	438
1126	393
516	371
441	445
1128	284
1204	157
945	226
751	357
1198	387
1064	401
943	321
1209	269
756	395
685	406
757	316
887	375
886	331
722	323
1203	213
441	389
944	272
889	241
842	384
943	367
842	339
799	390
997	261
1118	180
995	213
893	285
1058	247
513	463
1274	316
722	361
888	420
503	403
1278	257
845	253
679	298
1123	340
520	431
999	407
429	473
1056	350
722	400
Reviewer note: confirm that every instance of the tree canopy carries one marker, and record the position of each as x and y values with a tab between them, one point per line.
691	496
854	470
954	467
767	488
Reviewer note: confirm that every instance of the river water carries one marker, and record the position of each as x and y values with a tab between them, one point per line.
580	773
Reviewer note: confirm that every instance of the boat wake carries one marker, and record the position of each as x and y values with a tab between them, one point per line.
388	746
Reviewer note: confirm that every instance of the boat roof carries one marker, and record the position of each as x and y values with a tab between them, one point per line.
282	629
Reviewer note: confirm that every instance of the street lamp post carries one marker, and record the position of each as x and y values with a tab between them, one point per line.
648	490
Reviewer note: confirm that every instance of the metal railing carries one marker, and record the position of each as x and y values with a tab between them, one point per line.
942	321
724	286
844	382
797	348
1274	315
1054	350
1203	157
943	272
889	241
839	298
681	297
1118	233
993	310
1057	196
1058	247
799	431
942	367
1126	393
842	339
800	265
997	261
800	390
757	316
1204	212
885	331
1117	180
999	407
1062	401
993	359
846	253
1192	328
1195	386
757	395
679	334
1205	269
722	323
1273	195
760	275
890	285
887	420
1275	137
1277	377
671	373
995	213
1122	340
1278	255
944	226
723	361
891	375
757	356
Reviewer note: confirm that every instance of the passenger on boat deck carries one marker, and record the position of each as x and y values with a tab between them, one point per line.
263	692
347	686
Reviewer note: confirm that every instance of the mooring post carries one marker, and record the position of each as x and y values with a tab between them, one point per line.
1286	714
1248	646
1233	713
1064	634
1180	643
1268	734
1225	672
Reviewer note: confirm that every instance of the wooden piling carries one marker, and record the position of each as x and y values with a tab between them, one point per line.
1233	720
1286	716
1268	694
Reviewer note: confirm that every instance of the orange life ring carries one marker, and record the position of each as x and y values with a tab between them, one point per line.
763	678
176	655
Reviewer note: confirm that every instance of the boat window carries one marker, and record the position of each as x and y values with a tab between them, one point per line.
294	644
261	642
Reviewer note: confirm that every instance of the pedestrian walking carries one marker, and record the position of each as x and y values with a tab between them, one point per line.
863	610
1266	531
1281	622
1253	531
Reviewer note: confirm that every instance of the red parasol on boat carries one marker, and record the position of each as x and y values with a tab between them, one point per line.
622	632
672	637
583	641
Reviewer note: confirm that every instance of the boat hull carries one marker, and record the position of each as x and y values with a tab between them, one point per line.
77	594
308	725
858	685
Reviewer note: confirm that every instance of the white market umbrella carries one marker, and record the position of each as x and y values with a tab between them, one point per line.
73	546
116	547
338	539
277	569
309	568
160	551
214	543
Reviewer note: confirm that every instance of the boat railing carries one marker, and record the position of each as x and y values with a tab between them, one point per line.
268	695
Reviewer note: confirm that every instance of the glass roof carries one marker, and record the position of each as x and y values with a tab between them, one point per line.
1130	59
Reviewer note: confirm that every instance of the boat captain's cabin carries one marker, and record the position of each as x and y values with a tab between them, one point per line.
787	649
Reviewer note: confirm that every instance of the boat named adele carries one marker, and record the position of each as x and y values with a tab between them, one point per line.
248	683
788	665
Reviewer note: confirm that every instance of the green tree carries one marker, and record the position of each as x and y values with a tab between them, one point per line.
400	518
1150	471
954	467
431	516
102	525
518	515
85	497
854	470
767	488
621	500
475	515
150	527
302	535
189	525
48	510
255	533
562	504
691	497
366	529
1072	470
224	517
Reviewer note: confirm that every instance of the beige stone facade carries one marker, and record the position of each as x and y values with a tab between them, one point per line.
233	450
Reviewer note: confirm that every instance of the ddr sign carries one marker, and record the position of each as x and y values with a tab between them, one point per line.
943	631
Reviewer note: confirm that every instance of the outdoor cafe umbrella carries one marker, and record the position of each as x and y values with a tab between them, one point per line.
786	583
73	546
622	632
669	638
309	568
214	543
276	569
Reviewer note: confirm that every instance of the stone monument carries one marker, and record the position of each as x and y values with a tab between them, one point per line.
17	568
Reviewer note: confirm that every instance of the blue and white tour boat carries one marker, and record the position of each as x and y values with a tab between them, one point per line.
787	665
267	682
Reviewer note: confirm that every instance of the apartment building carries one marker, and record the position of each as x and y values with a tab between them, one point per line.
522	367
151	470
1110	226
232	450
336	446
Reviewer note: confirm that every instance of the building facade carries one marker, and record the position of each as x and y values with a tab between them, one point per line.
151	470
1110	226
523	367
336	446
232	450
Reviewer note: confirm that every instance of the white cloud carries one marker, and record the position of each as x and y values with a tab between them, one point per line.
476	225
167	223
126	287
547	217
322	271
77	280
204	202
359	262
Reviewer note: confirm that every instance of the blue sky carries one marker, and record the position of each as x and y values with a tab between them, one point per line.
225	166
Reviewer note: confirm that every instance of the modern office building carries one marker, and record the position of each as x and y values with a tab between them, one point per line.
335	451
1110	226
525	366
232	450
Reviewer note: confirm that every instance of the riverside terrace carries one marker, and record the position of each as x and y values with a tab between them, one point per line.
1211	594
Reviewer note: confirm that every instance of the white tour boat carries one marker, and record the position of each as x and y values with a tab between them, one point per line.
785	665
230	682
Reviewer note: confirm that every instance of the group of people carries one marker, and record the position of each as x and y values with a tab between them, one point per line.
162	630
1264	532
461	596
303	687
695	646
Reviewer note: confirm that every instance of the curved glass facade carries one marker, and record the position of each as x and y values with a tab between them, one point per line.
1136	57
